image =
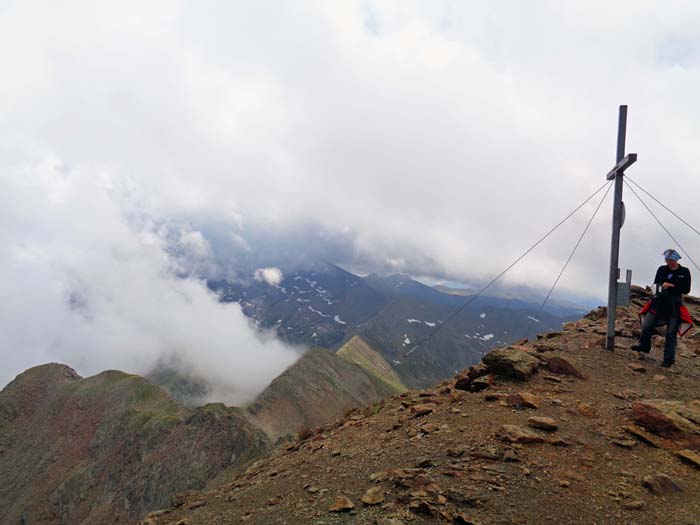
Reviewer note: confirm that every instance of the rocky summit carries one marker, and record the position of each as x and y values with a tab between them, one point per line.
554	430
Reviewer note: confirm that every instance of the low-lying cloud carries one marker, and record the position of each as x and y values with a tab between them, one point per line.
271	276
90	285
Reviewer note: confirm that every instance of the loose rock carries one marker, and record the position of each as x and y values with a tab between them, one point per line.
422	410
373	496
661	484
562	366
516	434
689	456
633	505
544	423
524	400
637	367
341	504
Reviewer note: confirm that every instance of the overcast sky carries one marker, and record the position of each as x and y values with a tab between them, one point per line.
434	138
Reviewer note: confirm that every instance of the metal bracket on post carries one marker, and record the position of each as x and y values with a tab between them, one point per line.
624	290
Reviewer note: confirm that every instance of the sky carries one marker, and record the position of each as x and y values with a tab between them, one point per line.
144	145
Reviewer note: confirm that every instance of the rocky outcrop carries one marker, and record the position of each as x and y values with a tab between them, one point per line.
511	362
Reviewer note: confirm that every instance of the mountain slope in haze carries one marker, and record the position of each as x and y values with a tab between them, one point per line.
558	307
359	352
320	386
414	315
326	306
107	448
558	430
314	307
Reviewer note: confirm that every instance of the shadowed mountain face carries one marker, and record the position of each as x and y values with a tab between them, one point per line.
107	448
326	306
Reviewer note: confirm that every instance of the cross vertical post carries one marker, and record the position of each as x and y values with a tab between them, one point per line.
618	217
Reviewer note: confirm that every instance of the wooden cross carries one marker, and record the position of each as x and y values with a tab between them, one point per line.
622	162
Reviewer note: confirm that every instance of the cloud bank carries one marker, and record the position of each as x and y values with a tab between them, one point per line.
87	285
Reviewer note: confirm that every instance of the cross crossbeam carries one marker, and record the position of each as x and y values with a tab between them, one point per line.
621	166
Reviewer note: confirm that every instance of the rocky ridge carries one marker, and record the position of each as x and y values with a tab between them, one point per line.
108	448
555	430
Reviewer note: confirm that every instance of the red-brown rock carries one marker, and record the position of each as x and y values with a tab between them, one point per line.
466	377
422	410
669	419
562	366
524	400
341	504
543	423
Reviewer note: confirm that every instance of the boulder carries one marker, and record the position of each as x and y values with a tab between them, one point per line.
674	420
511	362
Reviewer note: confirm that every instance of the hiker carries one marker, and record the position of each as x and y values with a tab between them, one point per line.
672	282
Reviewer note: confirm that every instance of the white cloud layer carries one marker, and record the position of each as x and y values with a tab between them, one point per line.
85	285
438	138
272	276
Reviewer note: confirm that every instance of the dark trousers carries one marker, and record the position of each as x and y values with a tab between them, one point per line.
649	326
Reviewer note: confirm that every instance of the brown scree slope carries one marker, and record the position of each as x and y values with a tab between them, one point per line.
556	430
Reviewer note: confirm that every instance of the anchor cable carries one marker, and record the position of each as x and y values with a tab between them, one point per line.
628	179
492	281
566	264
685	252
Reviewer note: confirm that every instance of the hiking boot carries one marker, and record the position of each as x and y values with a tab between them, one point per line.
667	364
640	348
